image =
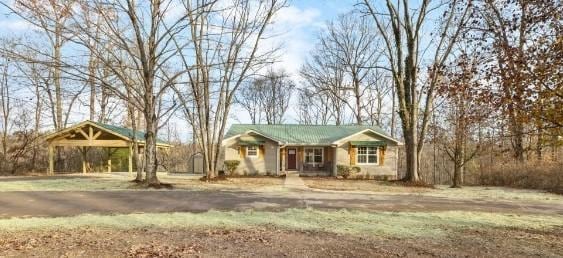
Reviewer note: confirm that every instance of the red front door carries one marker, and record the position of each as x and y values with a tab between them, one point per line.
291	158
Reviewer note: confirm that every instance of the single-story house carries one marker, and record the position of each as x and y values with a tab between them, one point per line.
313	150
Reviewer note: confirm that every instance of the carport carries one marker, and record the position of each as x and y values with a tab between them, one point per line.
89	134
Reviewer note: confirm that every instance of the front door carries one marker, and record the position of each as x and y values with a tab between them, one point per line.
291	158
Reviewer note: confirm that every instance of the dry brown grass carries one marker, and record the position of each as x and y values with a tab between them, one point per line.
360	185
532	175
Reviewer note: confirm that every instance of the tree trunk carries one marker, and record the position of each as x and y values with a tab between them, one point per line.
92	83
539	142
458	174
411	156
518	141
151	163
393	112
57	82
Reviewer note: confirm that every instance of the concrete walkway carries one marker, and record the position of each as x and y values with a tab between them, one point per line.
293	181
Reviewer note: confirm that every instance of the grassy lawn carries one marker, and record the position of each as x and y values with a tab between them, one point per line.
468	192
119	183
396	224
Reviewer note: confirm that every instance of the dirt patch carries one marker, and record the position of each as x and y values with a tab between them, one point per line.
273	242
361	185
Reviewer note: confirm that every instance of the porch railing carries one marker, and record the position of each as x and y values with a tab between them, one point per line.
326	166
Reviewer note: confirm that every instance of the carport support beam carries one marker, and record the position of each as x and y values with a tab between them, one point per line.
83	151
109	160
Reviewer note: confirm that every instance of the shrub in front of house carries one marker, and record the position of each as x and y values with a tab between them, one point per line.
231	166
346	171
343	170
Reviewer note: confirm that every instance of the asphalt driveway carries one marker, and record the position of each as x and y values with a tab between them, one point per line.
69	203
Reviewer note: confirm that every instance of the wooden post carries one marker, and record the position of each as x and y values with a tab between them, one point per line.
90	134
335	156
109	160
83	151
130	160
277	160
51	161
283	151
300	158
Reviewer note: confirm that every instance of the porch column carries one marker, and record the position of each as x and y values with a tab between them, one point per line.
300	151
283	150
277	160
335	150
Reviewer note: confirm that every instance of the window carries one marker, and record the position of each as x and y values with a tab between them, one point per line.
252	151
367	155
314	156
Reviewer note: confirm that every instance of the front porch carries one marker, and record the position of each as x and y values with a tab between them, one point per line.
308	160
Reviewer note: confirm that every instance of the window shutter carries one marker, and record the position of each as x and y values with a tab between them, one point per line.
352	152
382	156
242	151
261	152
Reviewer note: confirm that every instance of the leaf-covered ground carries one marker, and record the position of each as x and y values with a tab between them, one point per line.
271	241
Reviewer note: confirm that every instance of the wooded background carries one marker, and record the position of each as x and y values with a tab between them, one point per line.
472	87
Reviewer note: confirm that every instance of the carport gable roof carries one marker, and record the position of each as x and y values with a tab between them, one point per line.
290	134
121	132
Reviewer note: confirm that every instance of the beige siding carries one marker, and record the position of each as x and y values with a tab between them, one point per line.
262	165
389	167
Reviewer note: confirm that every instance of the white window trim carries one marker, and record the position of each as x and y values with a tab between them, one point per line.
252	156
314	148
367	163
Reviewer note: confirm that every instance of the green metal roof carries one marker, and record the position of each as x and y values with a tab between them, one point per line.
303	134
139	135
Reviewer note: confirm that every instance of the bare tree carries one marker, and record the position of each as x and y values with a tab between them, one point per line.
50	18
401	25
343	60
275	95
137	50
324	78
6	105
248	97
316	108
267	97
376	98
224	52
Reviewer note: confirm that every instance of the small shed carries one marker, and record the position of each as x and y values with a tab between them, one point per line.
89	134
196	164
